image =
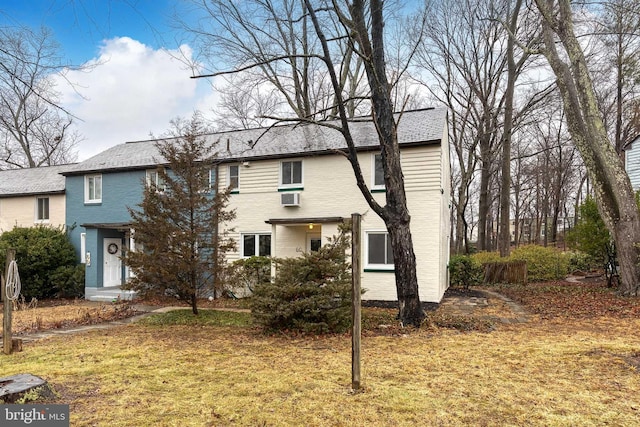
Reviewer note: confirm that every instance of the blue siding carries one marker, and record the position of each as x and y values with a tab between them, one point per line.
119	191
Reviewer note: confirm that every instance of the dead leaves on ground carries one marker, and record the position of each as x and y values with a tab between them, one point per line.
563	299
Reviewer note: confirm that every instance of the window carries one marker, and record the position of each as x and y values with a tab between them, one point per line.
378	172
291	174
42	209
83	248
208	181
233	177
379	253
155	181
256	245
93	189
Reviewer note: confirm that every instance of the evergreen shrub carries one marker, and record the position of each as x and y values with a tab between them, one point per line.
464	271
44	256
486	257
310	293
543	263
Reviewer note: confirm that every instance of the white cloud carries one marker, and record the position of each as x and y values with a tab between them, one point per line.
131	91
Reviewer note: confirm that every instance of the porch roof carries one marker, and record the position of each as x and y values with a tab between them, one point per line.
300	221
122	226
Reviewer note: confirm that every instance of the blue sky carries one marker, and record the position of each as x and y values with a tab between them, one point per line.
137	85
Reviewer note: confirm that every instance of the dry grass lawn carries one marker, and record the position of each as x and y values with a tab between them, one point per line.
557	371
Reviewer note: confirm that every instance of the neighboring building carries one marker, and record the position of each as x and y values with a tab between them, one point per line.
32	196
632	162
291	190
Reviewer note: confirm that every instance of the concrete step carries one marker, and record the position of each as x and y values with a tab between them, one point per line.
112	295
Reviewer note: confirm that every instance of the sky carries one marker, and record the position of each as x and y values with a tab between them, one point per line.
134	85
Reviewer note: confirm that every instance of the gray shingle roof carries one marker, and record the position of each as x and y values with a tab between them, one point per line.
415	127
29	181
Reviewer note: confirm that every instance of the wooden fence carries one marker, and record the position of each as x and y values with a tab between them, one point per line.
505	272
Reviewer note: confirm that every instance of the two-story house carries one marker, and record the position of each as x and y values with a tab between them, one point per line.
32	196
291	188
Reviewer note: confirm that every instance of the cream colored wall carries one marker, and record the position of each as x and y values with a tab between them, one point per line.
330	190
21	212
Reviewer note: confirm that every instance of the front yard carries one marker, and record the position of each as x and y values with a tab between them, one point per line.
563	367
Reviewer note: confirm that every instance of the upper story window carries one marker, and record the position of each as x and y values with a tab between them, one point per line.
291	173
42	209
93	188
233	177
379	253
155	181
207	181
378	172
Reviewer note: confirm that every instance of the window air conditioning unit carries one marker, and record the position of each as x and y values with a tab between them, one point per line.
290	199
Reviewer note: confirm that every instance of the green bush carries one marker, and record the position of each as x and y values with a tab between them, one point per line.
464	271
310	293
69	281
40	252
590	235
245	274
543	263
580	261
487	257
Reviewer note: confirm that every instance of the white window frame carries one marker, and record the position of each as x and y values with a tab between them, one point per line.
153	180
87	193
38	218
256	244
229	177
292	184
83	248
375	186
377	266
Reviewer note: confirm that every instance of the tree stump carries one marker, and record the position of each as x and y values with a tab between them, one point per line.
15	387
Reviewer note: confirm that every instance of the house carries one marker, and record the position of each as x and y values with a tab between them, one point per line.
32	196
291	188
632	162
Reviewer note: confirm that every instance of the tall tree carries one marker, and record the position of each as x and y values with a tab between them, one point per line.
34	130
618	57
338	38
611	186
178	224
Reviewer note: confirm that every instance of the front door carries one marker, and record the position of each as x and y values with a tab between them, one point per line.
314	242
112	262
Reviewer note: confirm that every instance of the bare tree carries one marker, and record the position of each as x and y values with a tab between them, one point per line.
617	70
614	195
318	49
34	130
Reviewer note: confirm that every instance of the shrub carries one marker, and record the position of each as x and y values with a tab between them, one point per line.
464	271
580	261
40	251
486	257
543	263
69	281
243	275
310	293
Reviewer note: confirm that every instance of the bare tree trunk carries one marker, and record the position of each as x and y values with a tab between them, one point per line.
615	197
504	240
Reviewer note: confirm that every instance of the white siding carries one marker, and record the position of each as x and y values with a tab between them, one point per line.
632	163
330	191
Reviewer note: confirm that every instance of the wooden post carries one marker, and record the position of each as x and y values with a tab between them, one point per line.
355	301
6	306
